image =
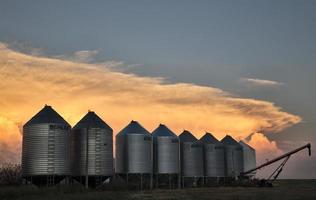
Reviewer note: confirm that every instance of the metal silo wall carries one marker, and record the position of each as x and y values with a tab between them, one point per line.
120	154
139	153
100	152
214	160
45	150
166	155
234	160
192	159
249	159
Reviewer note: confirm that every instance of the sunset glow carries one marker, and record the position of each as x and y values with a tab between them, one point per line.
29	82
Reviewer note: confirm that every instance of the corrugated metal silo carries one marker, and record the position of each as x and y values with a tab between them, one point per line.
138	148
214	156
45	148
134	152
166	148
166	156
191	156
249	158
233	157
98	151
120	154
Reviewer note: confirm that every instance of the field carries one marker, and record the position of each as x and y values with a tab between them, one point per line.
284	189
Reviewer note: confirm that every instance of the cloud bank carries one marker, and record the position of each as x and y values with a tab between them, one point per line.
266	149
72	88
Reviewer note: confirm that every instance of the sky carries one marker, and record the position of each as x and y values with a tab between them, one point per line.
245	68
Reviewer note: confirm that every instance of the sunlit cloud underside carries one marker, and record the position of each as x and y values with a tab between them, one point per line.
72	88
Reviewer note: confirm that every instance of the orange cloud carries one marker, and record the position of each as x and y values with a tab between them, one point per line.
10	140
28	82
265	148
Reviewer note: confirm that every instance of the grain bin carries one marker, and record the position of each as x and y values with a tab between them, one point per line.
214	157
45	148
134	158
249	158
166	157
120	154
98	151
233	157
191	159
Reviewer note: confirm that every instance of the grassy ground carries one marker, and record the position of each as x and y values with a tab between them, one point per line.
284	189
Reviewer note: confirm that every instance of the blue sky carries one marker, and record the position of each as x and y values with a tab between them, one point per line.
211	43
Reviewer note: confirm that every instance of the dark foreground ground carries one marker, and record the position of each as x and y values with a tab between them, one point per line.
284	189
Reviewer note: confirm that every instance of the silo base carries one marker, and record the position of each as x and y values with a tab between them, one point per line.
42	180
138	181
170	181
231	181
214	181
192	181
93	181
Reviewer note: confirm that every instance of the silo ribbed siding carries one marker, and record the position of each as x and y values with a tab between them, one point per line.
100	147
166	151
100	152
249	157
191	156
214	160
135	153
120	154
45	146
214	156
139	153
233	157
167	155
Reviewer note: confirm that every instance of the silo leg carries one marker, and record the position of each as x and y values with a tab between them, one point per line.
182	182
157	181
151	181
141	181
203	181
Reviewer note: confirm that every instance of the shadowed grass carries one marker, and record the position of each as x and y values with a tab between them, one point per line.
284	189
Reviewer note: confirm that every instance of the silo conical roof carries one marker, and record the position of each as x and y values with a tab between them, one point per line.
228	140
244	144
163	130
46	115
133	128
92	120
186	136
208	138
